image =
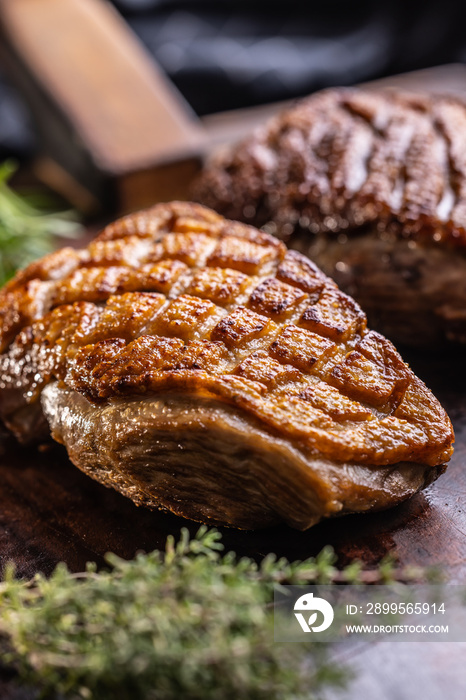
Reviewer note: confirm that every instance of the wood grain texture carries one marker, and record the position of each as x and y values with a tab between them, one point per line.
114	132
88	62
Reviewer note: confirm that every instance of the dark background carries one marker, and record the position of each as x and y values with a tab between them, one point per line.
224	55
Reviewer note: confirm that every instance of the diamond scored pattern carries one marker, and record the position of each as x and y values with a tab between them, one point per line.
212	307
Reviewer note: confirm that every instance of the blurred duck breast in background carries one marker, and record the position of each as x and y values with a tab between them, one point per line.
372	186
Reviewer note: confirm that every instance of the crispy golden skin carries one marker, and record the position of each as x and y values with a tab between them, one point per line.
177	301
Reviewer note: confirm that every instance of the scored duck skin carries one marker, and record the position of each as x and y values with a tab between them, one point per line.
197	365
372	186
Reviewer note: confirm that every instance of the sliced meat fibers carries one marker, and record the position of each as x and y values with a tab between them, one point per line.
197	365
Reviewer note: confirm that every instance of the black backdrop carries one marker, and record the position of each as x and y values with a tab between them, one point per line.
224	54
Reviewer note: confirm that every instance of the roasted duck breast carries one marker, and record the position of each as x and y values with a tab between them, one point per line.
197	365
372	186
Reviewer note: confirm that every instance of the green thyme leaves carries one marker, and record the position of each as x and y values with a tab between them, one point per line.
193	623
27	231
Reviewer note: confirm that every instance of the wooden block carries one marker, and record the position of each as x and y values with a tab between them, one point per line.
114	132
102	107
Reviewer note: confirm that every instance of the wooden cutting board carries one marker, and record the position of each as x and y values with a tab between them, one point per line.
51	512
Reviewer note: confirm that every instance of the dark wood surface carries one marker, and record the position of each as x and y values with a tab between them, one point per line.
104	113
50	512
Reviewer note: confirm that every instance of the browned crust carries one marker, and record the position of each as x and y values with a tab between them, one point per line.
345	158
275	337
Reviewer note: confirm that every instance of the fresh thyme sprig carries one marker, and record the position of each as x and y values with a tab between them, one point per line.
26	231
191	623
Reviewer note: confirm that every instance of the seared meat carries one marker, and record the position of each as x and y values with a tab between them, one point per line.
196	365
372	186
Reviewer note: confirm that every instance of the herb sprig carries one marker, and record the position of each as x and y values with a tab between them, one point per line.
27	231
191	623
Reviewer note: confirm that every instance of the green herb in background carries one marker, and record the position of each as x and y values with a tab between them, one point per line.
27	231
